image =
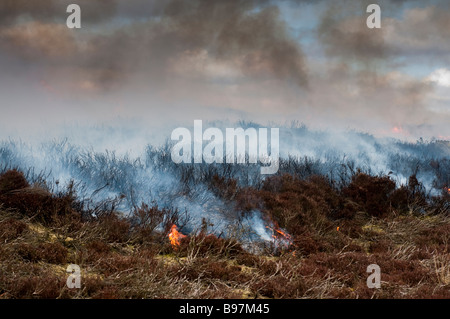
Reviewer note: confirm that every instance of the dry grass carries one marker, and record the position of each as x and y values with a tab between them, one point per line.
129	258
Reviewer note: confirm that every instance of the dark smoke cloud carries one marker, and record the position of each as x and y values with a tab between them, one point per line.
420	30
363	64
10	10
345	35
251	31
201	57
350	39
54	10
249	34
38	42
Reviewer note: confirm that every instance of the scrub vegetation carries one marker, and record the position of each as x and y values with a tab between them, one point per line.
329	233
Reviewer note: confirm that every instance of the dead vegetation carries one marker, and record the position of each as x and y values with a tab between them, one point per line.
336	234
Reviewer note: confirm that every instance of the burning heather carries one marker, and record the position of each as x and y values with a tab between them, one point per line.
309	231
220	193
175	237
281	238
297	253
155	149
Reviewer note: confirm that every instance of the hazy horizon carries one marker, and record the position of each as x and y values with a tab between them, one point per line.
151	64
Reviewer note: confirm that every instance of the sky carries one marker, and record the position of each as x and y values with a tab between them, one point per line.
153	64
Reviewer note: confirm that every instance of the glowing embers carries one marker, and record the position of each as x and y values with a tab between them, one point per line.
175	237
281	238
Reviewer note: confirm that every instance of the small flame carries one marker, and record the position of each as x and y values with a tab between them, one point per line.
397	129
337	228
175	236
448	189
280	237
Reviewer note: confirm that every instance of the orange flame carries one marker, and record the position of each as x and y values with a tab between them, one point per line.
175	236
337	228
280	236
397	129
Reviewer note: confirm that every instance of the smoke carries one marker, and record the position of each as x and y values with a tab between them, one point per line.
37	40
143	67
11	11
249	35
364	73
102	177
345	35
165	61
150	176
